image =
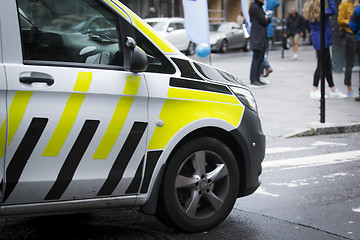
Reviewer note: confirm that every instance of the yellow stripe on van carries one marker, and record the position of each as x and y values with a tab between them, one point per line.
132	85
16	112
149	31
118	119
117	8
65	124
83	82
113	130
190	111
201	95
2	138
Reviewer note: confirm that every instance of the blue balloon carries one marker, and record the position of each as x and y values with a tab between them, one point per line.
203	50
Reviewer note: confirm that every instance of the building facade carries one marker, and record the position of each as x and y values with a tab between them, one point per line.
219	10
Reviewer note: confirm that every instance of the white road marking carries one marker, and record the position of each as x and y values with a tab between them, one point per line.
319	143
333	176
356	210
286	149
297	183
311	161
261	190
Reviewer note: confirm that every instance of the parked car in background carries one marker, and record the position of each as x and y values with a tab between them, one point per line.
278	38
173	29
86	24
227	35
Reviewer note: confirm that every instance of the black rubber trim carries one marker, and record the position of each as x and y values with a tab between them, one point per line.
23	153
123	159
73	159
203	86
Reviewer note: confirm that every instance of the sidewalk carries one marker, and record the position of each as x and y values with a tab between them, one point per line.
285	107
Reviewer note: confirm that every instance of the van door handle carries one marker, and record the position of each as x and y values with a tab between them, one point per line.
36	77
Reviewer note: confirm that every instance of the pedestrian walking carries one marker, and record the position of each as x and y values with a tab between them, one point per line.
354	25
152	13
351	45
259	21
294	30
312	14
270	7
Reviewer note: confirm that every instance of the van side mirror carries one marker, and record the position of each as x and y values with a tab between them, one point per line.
138	58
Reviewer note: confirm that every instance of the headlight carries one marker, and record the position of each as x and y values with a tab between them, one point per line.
246	97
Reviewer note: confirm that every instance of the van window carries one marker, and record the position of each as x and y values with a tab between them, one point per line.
160	63
69	31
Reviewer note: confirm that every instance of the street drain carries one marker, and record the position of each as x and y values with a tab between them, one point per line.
86	232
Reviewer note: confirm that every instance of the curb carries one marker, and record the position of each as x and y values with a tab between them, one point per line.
313	131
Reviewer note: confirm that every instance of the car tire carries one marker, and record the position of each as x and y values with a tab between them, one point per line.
191	49
224	46
199	187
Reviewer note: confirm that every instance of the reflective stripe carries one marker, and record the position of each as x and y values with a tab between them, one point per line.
132	85
149	31
118	119
113	130
16	112
65	124
190	111
83	82
201	95
117	8
2	138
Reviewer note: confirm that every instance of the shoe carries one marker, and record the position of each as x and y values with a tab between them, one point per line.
337	94
351	94
267	72
316	95
257	84
357	98
265	81
295	57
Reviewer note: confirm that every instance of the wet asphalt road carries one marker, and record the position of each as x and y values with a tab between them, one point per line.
310	190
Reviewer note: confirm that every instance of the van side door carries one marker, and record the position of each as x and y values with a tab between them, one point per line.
77	116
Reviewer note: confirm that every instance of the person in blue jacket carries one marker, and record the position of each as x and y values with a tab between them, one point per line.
312	13
270	7
354	25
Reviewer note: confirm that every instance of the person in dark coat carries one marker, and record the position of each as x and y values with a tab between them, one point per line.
258	36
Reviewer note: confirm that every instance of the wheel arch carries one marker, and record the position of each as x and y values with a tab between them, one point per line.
220	134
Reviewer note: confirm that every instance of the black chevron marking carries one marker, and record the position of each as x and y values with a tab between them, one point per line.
73	159
23	153
123	159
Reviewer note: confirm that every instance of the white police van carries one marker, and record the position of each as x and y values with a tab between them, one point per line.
98	111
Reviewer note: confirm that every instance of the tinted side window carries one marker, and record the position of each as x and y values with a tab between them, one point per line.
70	31
180	26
